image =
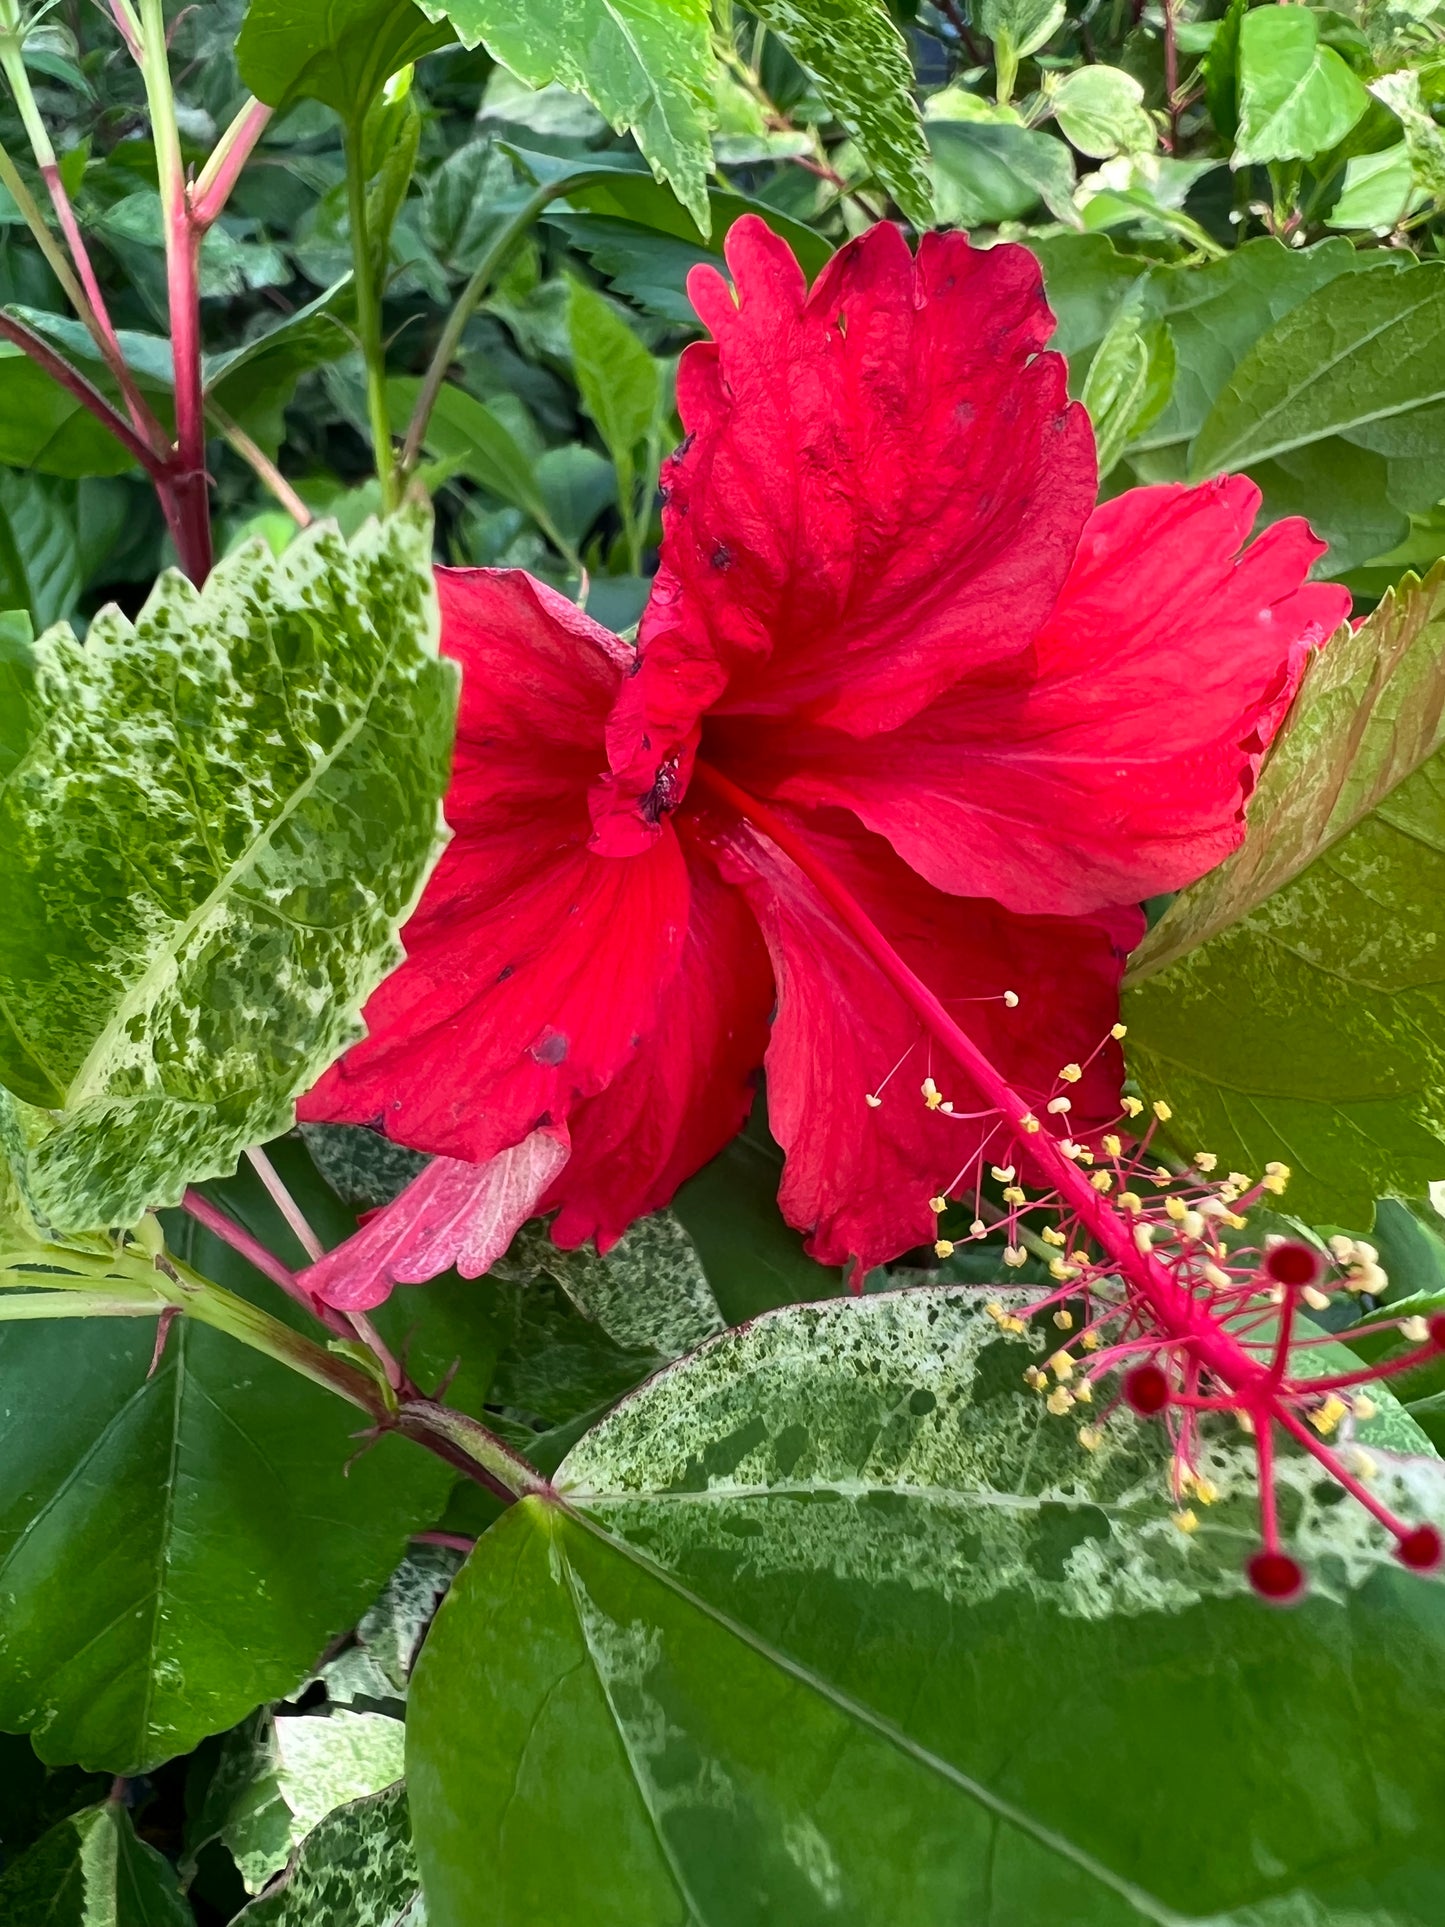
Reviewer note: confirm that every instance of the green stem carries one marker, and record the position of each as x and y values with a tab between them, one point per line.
436	1426
469	298
368	321
23	1305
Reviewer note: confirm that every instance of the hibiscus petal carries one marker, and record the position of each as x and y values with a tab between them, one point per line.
451	1214
858	1177
882	487
1113	760
533	967
688	1090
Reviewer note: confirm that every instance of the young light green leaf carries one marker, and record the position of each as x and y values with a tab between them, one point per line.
356	1867
91	1871
304	1767
866	78
1331	914
1377	191
619	381
1357	350
1424	137
1024	24
1296	97
1129	381
223	814
1101	110
176	1548
801	1595
645	64
342	54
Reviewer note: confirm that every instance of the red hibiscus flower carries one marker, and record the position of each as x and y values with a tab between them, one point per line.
894	661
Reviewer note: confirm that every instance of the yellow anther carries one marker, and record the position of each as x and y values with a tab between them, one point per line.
1052	1235
1069	1148
1415	1329
1238	1180
1316	1299
1327	1416
1003	1172
1011	1000
1015	1326
1058	1107
1245	1423
1035	1378
1090	1437
1119	1031
1064	1319
1275	1186
1192	1224
1276	1177
871	1100
1342	1248
1113	1146
1028	1122
1013	1195
938	1206
1084	1392
1206	1160
1212	1275
932	1096
1205	1490
1363	1406
994	1310
1102	1180
978	1229
943	1248
1162	1111
1061	1365
1132	1106
1014	1256
1131	1201
1176	1209
1362	1464
1187	1521
947	1105
1366	1253
1236	1220
1071	1073
1163	1173
1274	1169
1059	1401
1144	1237
1091	1341
1061	1269
1085	1155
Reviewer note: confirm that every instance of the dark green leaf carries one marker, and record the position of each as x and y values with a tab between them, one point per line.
92	1871
39	547
987	172
342	53
620	383
1355	351
772	1657
42	426
213	813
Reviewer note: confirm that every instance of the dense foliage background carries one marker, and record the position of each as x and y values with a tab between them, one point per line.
1239	213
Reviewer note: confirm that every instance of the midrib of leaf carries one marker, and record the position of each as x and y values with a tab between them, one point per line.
1148	1906
164	1526
1295	92
1292	395
168	954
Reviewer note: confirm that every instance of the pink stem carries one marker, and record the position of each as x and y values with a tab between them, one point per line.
255	1253
1335	1466
456	1541
214	185
189	481
284	1202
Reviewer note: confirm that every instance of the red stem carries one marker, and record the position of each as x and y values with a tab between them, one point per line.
1182	1320
218	177
255	1253
189	481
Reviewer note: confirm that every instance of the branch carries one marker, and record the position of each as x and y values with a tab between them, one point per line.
212	188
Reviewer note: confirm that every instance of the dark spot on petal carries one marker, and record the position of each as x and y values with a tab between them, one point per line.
505	972
683	446
552	1048
665	794
722	556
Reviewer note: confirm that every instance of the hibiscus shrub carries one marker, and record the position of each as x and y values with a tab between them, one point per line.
721	986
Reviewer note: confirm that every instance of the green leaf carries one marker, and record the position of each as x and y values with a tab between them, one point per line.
1424	137
342	53
779	1652
43	427
1101	110
1024	24
987	173
1087	281
1377	191
1296	98
620	383
175	1549
1129	381
355	1867
649	1293
206	854
645	64
866	79
464	432
1220	71
92	1871
1331	915
39	547
1356	351
376	1663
